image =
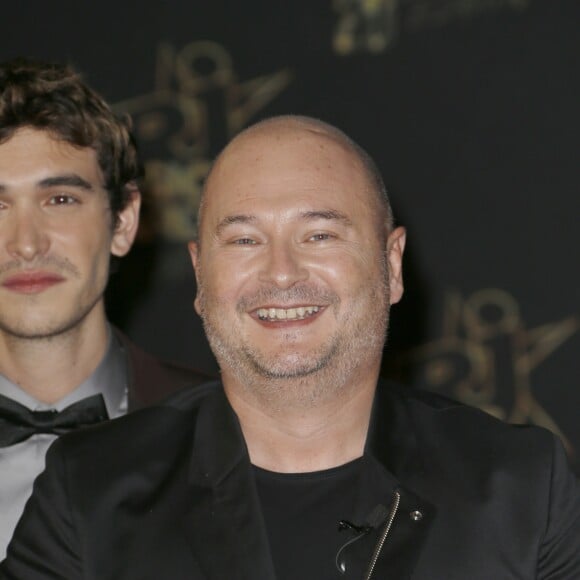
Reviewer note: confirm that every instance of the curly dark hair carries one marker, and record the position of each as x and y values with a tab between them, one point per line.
53	98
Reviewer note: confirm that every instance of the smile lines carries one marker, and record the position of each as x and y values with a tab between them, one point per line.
298	313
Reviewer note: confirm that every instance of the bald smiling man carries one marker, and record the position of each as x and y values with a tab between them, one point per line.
301	463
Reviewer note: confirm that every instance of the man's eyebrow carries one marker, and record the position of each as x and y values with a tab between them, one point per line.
311	215
234	219
69	179
327	214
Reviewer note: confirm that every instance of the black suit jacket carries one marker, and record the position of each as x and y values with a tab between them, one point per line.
168	492
150	380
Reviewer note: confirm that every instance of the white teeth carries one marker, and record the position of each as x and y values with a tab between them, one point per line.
287	313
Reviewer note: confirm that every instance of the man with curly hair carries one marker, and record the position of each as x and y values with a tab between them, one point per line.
69	204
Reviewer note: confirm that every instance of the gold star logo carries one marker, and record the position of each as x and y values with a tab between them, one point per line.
486	356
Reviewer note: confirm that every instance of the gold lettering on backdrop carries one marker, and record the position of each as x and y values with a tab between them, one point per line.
197	104
486	356
365	25
373	26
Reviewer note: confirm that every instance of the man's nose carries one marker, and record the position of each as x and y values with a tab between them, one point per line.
26	236
283	266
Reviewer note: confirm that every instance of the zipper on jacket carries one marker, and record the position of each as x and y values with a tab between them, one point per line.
382	539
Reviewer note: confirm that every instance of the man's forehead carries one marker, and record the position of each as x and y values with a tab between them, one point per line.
34	157
282	153
285	160
285	177
51	144
294	214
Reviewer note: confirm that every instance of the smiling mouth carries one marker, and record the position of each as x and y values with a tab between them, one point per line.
298	313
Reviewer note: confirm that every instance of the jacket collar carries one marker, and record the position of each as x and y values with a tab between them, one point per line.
226	510
225	525
393	435
395	465
392	438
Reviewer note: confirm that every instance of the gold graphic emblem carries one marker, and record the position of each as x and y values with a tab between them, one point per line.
486	356
195	107
373	26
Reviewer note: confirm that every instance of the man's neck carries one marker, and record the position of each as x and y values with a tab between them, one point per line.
311	438
49	369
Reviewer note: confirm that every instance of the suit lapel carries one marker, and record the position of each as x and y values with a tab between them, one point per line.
224	526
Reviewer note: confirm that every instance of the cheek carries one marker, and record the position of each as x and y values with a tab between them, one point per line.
347	271
224	278
88	248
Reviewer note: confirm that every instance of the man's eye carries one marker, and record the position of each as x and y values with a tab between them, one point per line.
62	199
320	237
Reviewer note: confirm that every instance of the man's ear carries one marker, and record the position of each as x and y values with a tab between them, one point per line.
127	222
395	248
193	248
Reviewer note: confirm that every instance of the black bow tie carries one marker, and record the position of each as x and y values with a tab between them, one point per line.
18	423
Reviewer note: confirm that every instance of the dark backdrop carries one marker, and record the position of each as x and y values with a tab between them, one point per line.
470	108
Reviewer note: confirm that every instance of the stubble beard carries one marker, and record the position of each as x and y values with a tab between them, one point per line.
298	380
46	327
46	330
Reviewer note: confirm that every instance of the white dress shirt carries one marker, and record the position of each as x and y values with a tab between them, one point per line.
22	462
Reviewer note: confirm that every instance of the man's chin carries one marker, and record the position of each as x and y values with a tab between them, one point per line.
37	329
289	366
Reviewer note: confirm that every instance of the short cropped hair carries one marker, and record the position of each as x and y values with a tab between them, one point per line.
53	98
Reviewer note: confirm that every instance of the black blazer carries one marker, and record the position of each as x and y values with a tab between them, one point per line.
150	380
168	492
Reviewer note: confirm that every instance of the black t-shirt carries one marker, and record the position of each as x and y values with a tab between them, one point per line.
302	511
